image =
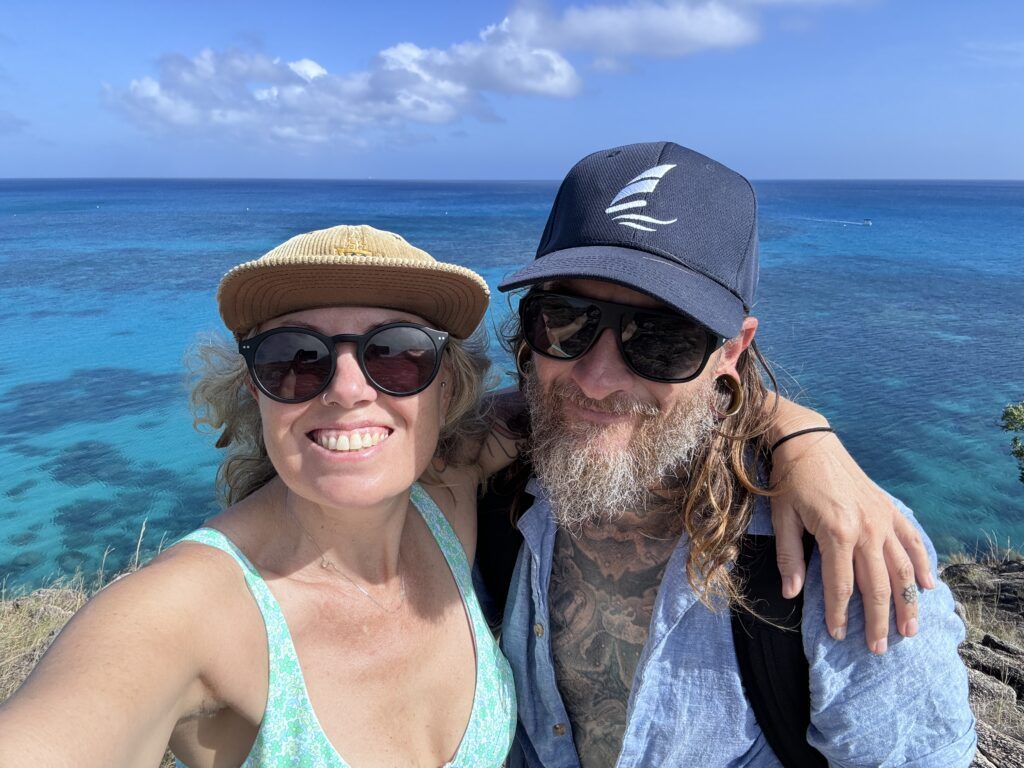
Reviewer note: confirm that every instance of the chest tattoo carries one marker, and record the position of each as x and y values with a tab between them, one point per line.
602	593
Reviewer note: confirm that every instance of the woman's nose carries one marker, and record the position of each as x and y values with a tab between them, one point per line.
349	386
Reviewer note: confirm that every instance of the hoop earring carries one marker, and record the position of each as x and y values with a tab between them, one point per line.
732	383
521	359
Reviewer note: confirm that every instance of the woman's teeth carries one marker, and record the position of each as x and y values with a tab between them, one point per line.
349	441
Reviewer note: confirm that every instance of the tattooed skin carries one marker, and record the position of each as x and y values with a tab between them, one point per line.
910	594
603	587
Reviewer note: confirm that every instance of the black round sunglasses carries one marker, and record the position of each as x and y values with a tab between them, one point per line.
293	365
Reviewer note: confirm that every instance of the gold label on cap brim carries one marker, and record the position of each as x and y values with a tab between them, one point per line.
340	250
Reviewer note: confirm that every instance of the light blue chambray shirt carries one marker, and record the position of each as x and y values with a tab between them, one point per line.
687	707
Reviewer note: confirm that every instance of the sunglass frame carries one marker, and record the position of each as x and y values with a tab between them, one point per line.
613	316
247	349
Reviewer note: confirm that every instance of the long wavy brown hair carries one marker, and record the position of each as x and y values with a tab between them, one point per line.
221	403
716	494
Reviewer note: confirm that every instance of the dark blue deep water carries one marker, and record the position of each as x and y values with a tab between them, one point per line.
908	334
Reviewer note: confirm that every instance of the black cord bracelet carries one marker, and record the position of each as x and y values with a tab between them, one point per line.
799	432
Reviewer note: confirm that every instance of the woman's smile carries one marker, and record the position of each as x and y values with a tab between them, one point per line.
351	442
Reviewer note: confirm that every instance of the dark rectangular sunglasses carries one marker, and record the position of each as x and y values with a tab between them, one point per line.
657	345
293	365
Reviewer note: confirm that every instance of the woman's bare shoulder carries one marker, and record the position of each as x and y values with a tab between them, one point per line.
188	592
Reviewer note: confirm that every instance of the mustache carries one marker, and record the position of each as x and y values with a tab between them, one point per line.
616	404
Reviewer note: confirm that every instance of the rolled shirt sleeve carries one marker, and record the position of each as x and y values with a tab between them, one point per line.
907	707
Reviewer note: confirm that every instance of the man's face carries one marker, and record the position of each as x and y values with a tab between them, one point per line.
602	436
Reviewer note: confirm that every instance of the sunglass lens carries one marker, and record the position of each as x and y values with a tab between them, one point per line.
401	361
559	326
292	366
663	346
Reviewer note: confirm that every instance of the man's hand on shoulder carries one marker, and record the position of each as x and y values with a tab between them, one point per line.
861	535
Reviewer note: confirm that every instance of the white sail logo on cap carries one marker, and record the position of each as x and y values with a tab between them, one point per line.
641	184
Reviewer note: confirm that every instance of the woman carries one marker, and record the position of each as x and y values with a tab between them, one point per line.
327	616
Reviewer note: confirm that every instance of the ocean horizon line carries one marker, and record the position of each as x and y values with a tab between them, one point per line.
802	180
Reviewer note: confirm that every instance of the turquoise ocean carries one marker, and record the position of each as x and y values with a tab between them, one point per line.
896	308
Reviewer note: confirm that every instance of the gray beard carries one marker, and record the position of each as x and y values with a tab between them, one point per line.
589	483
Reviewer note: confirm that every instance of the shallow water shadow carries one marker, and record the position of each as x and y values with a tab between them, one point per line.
89	395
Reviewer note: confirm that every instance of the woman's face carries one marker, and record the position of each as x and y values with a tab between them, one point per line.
352	446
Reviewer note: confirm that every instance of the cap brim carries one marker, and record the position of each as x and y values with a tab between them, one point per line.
683	289
451	298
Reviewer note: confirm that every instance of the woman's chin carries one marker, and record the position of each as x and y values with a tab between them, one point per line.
354	491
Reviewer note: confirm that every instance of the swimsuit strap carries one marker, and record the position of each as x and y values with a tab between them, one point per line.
492	723
447	540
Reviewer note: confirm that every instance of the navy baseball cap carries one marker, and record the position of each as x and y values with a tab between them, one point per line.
660	219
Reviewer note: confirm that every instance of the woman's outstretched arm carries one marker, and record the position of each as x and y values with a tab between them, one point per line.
119	676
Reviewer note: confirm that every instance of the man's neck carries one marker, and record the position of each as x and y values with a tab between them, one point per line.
658	519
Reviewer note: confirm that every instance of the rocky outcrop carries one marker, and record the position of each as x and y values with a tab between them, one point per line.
998	587
990	599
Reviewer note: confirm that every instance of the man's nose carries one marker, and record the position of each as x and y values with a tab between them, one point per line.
349	386
602	371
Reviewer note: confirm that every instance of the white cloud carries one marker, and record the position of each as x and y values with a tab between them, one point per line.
307	69
641	27
148	97
250	94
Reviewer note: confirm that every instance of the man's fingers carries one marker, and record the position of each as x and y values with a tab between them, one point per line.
904	588
789	548
837	579
912	542
873	583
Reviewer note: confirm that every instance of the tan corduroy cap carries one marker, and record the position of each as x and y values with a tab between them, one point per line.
352	266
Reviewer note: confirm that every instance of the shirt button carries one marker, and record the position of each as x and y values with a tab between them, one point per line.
558	729
538	630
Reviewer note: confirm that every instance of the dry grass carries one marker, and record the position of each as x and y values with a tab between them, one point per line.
984	616
980	592
987	552
982	619
30	621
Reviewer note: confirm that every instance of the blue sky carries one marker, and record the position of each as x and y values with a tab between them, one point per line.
520	90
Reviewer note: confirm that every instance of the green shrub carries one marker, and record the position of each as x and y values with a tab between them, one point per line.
1013	421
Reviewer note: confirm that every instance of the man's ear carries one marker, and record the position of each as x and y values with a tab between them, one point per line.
733	348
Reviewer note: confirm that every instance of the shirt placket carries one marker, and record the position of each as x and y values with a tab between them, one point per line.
559	736
674	599
546	721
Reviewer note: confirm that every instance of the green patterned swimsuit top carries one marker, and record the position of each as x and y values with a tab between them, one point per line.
290	734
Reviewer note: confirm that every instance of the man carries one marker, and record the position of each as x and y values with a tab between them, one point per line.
648	444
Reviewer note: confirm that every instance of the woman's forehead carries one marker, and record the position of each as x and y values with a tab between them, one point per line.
335	320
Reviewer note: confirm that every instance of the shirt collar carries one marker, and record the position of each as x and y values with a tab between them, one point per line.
537	523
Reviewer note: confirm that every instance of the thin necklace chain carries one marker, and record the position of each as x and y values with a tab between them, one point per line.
328	564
